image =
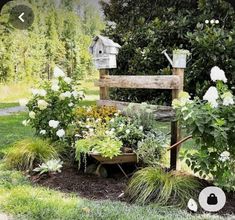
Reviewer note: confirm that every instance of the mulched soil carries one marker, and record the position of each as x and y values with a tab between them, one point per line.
70	180
89	186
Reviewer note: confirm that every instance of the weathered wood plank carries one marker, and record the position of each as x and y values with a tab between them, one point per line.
104	90
162	113
175	128
140	82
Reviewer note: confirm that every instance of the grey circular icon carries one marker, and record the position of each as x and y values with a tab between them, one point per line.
212	199
21	17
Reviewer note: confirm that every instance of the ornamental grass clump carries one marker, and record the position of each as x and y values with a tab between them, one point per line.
211	123
154	185
26	154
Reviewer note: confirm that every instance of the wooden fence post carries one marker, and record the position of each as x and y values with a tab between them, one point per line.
175	129
104	91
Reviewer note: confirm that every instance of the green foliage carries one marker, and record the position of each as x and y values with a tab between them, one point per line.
151	150
51	166
143	115
153	185
212	125
59	35
104	145
25	154
146	28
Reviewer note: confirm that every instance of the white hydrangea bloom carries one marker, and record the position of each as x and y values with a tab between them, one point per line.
60	133
43	132
26	122
68	80
32	115
228	99
218	74
42	92
224	156
42	104
55	87
211	96
58	72
53	123
23	102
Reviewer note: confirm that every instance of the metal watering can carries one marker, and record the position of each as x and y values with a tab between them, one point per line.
179	58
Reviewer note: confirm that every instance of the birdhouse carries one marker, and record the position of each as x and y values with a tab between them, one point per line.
104	52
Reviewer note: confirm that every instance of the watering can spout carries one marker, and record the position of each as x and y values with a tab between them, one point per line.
167	56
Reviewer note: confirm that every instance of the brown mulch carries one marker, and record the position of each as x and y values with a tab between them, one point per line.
89	186
70	180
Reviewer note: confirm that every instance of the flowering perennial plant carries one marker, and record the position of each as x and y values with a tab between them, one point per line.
51	108
211	121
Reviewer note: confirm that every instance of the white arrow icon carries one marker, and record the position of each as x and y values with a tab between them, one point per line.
21	17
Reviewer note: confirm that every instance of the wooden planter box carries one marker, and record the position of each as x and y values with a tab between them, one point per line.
120	159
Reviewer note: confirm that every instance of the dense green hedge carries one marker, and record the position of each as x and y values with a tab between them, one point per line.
146	28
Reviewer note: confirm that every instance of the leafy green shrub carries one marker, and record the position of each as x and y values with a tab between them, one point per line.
154	185
145	31
211	122
25	154
104	145
151	149
51	109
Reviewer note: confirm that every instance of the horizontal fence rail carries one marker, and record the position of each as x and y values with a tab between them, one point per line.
161	113
139	82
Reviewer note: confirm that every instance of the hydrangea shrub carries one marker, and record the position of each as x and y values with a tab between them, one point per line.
51	108
211	121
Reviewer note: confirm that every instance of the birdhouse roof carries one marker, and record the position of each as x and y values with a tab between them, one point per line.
106	42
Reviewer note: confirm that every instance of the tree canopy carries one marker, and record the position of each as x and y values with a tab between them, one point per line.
146	28
60	35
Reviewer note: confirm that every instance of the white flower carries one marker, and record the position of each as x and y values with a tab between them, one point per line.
212	21
217	21
42	92
71	104
23	102
25	122
55	87
55	82
112	120
53	123
218	74
58	72
113	129
207	21
68	94
32	115
75	94
211	96
62	96
141	128
68	80
60	133
224	156
228	99
42	104
128	131
43	132
35	91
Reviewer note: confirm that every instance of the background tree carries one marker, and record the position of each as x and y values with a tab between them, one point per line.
60	35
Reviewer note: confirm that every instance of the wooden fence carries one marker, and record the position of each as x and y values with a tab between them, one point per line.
172	82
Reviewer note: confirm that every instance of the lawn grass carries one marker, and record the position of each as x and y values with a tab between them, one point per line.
8	105
24	201
11	130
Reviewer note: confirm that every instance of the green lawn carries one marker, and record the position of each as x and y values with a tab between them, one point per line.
8	105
